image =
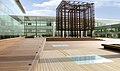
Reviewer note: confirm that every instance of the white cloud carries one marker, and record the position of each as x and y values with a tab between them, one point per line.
46	8
99	3
50	3
44	12
49	7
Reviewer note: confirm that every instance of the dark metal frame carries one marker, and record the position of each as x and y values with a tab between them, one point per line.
74	17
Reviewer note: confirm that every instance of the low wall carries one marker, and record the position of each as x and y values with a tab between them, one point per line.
72	39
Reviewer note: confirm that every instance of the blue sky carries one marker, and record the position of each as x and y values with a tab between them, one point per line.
106	9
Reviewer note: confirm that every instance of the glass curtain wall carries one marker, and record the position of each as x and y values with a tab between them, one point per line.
107	28
39	26
11	25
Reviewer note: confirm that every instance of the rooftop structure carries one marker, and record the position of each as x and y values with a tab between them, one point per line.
74	17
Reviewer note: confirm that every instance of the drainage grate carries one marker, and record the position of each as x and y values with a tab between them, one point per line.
60	45
88	59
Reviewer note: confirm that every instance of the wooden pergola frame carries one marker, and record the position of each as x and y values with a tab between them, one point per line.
74	17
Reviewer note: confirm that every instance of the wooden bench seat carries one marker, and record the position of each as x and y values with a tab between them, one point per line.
111	46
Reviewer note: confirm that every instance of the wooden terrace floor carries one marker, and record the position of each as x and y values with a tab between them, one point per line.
20	54
55	58
17	54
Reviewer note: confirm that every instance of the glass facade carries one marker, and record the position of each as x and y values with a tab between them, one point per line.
104	22
11	19
39	26
107	28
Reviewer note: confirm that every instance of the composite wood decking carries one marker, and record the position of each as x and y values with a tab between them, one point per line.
55	58
20	54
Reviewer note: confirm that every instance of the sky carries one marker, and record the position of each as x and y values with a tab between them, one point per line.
105	9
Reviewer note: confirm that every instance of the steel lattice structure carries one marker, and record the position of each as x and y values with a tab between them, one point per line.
74	17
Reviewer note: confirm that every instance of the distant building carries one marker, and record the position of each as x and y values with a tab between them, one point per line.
107	28
39	26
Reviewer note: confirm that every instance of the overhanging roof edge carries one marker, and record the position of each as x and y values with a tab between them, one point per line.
20	5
